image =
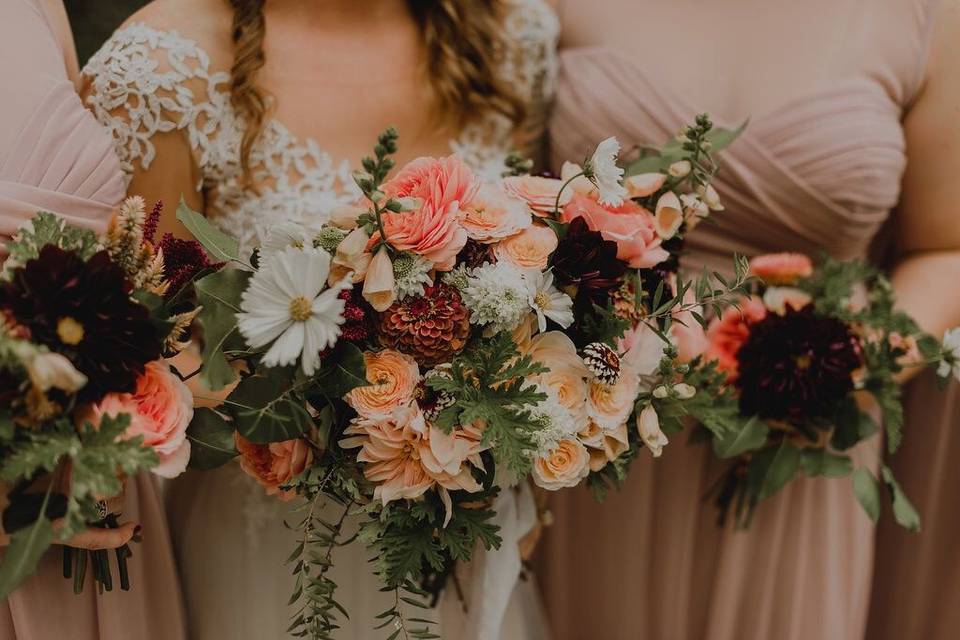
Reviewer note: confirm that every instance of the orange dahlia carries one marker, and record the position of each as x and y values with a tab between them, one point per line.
431	327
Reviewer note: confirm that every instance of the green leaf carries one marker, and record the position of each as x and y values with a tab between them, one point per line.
867	492
782	470
271	412
211	440
218	244
219	294
21	557
903	511
852	426
342	371
819	462
721	138
752	435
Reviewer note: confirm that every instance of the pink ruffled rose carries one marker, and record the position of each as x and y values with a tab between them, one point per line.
276	464
437	188
493	215
160	408
727	334
539	193
781	268
629	225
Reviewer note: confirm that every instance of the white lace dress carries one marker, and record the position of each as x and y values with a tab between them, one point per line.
230	541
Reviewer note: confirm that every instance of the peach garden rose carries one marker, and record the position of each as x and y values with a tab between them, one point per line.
781	268
629	225
493	215
529	249
276	464
564	467
393	378
540	193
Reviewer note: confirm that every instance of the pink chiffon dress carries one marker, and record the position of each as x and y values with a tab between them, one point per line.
54	156
818	170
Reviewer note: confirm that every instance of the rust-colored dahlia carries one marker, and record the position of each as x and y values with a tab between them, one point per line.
431	327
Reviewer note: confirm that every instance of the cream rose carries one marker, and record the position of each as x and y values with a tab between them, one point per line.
610	405
564	467
538	192
493	215
529	249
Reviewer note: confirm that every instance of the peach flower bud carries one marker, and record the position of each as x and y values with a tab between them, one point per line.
644	184
52	370
693	207
379	285
276	464
777	299
565	467
493	215
538	192
529	249
669	215
679	169
580	184
648	424
160	408
710	197
684	391
393	378
345	216
350	257
781	268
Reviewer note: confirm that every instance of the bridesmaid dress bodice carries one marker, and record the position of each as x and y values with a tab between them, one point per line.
819	171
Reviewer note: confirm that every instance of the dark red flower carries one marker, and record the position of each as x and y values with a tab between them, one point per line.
83	311
796	366
474	254
182	260
358	316
432	327
585	259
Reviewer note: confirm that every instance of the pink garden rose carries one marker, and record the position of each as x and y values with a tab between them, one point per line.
728	333
160	409
276	464
539	193
437	189
629	225
493	215
781	268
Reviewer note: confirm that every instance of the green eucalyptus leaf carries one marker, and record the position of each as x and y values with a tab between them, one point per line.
903	511
219	294
22	555
752	435
218	244
819	462
851	426
867	492
721	138
211	440
266	410
341	371
782	470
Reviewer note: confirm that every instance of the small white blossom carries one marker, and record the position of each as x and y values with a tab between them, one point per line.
546	300
679	169
710	196
51	370
648	424
602	170
496	295
661	392
458	277
555	423
287	307
684	391
411	273
950	364
286	234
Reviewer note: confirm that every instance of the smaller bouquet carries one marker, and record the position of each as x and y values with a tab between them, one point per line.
85	395
804	369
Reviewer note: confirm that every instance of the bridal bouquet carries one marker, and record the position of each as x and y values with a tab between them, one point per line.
85	395
442	341
802	371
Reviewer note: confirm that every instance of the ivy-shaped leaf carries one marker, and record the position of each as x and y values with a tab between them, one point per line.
867	492
266	410
782	470
752	435
903	511
219	296
211	440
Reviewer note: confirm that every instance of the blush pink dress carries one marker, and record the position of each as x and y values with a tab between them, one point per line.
54	156
816	170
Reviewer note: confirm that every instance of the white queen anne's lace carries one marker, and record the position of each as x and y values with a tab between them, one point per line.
147	82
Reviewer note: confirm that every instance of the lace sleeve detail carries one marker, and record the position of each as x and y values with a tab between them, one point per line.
530	67
144	82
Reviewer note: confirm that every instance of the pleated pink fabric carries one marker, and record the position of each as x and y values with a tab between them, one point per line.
55	157
819	173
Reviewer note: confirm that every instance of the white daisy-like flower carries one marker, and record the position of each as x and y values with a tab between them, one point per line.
411	273
602	170
286	234
546	300
287	305
950	363
496	295
554	421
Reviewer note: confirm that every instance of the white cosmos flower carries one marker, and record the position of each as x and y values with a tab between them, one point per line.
287	234
286	304
950	364
604	172
546	300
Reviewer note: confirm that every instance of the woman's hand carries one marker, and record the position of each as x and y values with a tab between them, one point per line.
94	538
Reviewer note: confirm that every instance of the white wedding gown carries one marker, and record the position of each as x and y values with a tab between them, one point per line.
229	536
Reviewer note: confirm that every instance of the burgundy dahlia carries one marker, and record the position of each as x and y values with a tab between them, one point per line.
83	311
475	254
584	258
432	327
797	366
358	316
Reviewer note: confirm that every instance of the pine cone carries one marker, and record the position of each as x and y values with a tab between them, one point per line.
603	362
432	327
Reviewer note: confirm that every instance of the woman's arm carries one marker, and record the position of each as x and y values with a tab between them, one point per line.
927	274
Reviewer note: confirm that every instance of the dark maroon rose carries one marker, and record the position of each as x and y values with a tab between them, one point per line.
583	258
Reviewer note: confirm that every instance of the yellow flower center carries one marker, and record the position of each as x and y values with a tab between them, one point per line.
803	362
542	300
69	331
300	309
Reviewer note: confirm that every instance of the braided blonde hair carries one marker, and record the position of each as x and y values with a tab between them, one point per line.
464	46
